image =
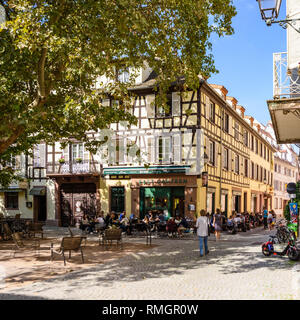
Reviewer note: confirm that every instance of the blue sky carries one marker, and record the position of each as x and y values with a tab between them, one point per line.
244	60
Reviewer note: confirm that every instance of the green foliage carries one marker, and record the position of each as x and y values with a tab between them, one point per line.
52	52
286	213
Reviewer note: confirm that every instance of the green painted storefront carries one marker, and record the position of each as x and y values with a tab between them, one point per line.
169	200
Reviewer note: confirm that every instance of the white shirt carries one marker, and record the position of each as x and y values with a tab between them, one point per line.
202	226
100	220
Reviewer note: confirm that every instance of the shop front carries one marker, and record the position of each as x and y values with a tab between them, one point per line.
166	200
169	195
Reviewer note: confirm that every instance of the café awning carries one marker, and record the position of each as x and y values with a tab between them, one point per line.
146	170
38	191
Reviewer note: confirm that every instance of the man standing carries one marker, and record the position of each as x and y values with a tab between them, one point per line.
202	225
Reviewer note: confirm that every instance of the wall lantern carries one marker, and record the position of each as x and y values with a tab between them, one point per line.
269	10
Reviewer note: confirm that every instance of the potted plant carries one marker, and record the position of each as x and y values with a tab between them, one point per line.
62	160
78	160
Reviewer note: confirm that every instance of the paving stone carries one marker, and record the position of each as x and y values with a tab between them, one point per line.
234	269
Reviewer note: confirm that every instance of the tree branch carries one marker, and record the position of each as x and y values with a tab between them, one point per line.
41	74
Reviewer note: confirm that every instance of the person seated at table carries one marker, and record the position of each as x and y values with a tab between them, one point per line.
85	224
171	226
151	216
114	219
122	215
162	218
146	219
107	219
124	225
99	223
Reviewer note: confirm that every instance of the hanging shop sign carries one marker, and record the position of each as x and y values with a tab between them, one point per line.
119	177
204	179
147	182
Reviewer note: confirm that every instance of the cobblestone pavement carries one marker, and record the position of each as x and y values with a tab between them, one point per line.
234	269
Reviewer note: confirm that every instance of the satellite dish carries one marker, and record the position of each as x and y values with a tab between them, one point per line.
2	14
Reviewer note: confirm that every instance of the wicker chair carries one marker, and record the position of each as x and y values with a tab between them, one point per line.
111	235
21	246
68	244
7	231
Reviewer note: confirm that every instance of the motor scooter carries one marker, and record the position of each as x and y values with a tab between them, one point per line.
290	250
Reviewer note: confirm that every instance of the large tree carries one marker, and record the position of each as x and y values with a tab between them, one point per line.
52	52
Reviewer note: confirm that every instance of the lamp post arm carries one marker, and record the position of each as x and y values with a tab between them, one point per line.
284	23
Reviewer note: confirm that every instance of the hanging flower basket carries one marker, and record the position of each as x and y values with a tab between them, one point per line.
61	160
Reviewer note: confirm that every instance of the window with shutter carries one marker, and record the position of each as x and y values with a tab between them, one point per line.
164	150
150	150
211	152
230	160
236	131
246	168
225	158
226	123
212	110
237	164
106	102
175	104
177	148
65	153
39	156
246	138
166	110
150	105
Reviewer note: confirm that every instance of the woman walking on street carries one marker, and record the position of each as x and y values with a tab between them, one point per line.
202	226
217	223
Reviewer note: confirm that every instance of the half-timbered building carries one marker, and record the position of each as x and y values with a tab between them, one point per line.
200	151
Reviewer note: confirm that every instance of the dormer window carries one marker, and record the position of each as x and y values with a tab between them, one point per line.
123	75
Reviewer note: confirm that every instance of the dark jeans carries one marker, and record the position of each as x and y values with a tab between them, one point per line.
265	223
126	229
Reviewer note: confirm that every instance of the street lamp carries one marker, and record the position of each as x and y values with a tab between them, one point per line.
269	10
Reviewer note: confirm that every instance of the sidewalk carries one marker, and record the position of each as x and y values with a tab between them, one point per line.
234	269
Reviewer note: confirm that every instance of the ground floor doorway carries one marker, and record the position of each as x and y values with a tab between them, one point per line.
117	199
77	199
237	203
40	208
